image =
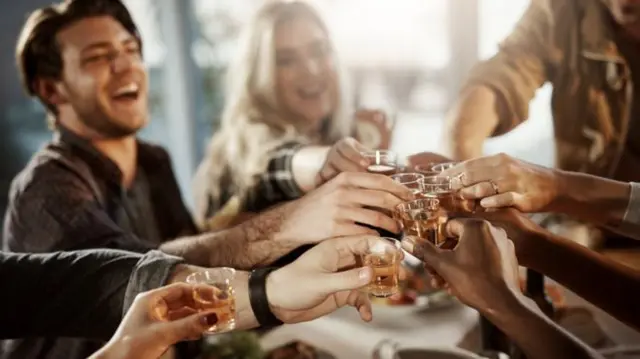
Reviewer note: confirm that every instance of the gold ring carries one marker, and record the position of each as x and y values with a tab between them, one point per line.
494	186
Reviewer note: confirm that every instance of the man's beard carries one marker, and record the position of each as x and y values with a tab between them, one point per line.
104	126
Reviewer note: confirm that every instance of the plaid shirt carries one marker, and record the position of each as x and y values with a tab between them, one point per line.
276	184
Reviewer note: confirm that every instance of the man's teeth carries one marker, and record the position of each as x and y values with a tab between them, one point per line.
127	90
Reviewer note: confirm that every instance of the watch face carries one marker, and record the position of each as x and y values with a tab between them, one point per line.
368	134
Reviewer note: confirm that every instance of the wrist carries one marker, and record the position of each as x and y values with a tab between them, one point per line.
590	198
115	348
264	294
514	309
564	190
506	303
532	246
275	291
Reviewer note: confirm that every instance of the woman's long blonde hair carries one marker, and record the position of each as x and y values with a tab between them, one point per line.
253	122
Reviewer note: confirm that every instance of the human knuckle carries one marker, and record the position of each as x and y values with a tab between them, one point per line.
343	178
503	157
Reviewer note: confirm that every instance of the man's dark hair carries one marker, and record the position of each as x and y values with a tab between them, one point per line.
38	53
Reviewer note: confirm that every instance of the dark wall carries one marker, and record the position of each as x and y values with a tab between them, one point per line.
22	120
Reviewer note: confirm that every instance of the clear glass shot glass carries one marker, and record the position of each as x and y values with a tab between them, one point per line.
213	290
384	258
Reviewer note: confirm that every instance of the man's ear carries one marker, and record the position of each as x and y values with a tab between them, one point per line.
51	91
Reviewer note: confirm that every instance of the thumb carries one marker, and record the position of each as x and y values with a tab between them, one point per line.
186	328
344	281
423	250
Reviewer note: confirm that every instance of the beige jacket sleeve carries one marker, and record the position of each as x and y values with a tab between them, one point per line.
520	66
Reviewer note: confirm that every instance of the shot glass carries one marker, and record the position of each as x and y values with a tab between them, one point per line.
423	218
426	169
381	162
441	167
440	187
213	290
384	258
413	181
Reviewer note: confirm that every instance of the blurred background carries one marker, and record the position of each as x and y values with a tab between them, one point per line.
407	57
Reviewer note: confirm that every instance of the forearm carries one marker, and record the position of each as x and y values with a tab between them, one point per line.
253	243
306	164
534	333
470	122
593	199
81	294
245	319
608	285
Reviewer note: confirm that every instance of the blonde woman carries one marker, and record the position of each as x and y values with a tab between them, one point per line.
286	125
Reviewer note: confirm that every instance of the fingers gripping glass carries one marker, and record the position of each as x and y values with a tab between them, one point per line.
384	258
381	162
424	219
413	181
213	291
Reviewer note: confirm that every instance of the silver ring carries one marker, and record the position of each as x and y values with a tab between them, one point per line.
494	186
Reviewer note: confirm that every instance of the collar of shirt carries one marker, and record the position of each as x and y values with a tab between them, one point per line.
149	157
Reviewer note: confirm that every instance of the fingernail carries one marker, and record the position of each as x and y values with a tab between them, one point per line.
209	320
364	274
487	202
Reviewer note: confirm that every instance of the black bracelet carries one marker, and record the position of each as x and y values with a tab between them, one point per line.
258	297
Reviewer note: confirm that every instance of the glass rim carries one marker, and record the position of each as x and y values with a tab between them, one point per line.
449	165
373	153
389	242
427	168
418	176
444	178
401	207
202	276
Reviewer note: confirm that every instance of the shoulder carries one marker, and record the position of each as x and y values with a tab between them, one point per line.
52	170
43	200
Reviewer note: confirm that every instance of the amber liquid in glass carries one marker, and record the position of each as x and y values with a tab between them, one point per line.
219	298
452	204
428	226
386	170
385	274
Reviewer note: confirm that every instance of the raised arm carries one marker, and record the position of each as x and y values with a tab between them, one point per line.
483	272
503	181
295	169
496	97
337	208
71	219
167	315
606	284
